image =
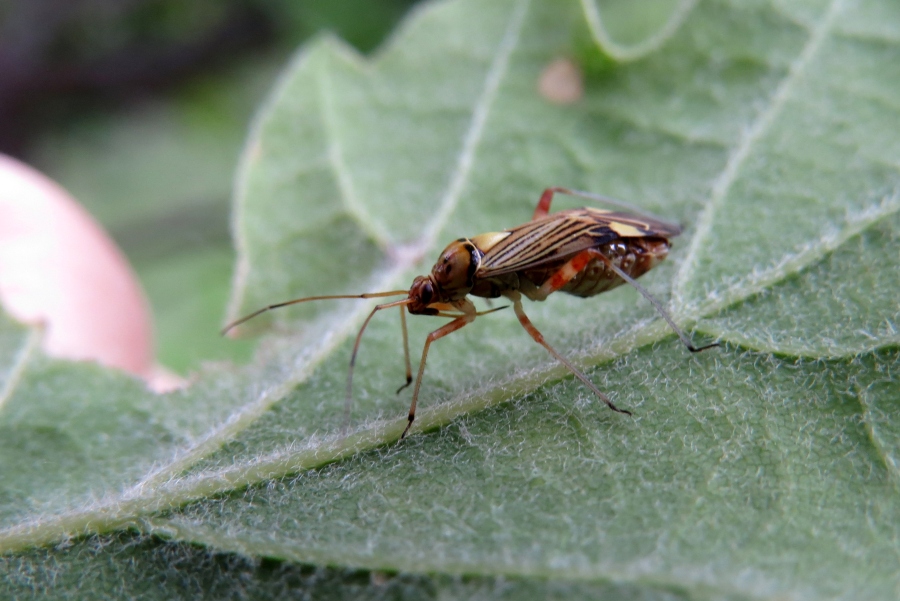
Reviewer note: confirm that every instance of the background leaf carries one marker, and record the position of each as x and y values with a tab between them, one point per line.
766	468
627	31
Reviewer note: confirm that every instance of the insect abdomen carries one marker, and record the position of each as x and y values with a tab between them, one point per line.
634	256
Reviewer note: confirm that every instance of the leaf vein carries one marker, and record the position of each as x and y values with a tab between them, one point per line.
475	131
23	357
742	151
625	53
372	227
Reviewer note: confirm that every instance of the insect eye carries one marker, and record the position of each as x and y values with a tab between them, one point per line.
426	293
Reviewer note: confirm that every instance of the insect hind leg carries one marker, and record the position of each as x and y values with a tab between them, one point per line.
543	206
656	304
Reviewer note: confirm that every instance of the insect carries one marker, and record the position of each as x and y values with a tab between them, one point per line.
582	252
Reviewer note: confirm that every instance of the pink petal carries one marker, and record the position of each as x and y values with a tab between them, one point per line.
60	269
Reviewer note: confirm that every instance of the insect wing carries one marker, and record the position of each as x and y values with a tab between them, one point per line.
561	235
629	225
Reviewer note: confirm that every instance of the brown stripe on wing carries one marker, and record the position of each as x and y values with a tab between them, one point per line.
562	234
543	241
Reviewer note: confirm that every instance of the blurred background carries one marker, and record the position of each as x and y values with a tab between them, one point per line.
140	108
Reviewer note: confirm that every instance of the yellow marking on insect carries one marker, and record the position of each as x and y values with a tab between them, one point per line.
625	230
487	241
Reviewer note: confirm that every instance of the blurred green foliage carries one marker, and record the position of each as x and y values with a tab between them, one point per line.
152	156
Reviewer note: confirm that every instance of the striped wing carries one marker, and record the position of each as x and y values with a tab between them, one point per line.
561	235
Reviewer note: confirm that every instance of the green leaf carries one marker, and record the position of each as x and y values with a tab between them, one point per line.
149	569
626	31
763	469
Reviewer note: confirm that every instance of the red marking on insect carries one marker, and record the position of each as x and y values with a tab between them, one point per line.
582	252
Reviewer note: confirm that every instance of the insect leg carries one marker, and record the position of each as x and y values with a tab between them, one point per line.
449	328
405	349
348	402
654	302
563	276
543	206
516	298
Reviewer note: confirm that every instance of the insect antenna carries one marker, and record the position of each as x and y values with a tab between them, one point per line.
305	299
399	303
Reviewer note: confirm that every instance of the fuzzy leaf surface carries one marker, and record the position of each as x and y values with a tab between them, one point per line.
766	468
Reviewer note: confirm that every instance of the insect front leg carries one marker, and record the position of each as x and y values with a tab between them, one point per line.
348	402
405	349
467	318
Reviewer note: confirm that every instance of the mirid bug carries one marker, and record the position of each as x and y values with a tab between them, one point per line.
582	252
